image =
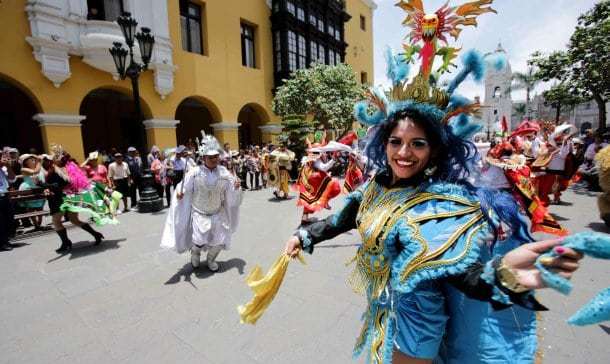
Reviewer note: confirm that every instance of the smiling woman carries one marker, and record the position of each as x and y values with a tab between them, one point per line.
433	262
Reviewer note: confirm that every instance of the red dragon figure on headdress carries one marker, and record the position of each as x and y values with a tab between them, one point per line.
430	28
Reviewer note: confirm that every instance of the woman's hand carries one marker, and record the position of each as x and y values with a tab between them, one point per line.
521	260
293	247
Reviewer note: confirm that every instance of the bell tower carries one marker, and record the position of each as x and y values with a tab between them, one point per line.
497	102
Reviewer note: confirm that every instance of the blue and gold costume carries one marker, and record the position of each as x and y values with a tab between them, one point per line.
421	246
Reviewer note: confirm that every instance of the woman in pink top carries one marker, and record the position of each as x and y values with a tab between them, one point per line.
95	171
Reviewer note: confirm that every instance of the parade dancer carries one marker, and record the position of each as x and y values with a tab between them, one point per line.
69	192
552	164
205	209
430	251
354	173
315	185
507	169
282	165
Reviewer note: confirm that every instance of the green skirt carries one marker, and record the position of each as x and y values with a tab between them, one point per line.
99	202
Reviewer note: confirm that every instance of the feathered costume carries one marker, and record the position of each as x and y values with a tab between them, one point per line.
430	244
354	175
511	165
92	198
315	185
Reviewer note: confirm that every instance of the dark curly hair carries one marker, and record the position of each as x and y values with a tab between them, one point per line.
452	156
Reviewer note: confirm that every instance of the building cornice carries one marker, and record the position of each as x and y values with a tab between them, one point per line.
271	128
59	119
225	126
160	123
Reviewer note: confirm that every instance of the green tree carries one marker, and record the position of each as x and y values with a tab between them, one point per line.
328	93
295	128
585	66
560	96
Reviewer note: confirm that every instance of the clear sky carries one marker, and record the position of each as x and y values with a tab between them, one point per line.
522	26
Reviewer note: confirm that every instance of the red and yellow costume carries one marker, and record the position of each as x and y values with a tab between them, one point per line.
518	174
316	187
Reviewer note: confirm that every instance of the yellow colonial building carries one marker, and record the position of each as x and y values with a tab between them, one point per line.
214	67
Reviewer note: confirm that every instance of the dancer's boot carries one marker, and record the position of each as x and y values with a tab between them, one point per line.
211	258
66	244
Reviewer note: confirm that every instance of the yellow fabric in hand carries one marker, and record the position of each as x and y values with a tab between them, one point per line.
265	288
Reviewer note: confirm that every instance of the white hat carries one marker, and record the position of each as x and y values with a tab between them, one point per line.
209	145
93	155
131	149
23	157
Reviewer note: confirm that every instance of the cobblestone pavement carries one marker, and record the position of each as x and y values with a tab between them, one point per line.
128	301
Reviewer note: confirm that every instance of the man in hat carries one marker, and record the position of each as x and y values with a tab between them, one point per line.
284	158
135	170
179	163
119	177
205	210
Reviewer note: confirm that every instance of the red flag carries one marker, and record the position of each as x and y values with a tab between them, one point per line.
504	125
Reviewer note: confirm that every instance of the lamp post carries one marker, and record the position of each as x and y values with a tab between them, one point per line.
146	42
149	200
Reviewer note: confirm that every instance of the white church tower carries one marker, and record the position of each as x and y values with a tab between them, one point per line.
497	102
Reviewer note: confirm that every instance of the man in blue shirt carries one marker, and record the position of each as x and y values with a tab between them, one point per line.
7	221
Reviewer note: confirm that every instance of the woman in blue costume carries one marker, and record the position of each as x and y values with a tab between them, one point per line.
442	284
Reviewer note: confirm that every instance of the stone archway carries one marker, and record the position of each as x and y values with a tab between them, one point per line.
195	114
112	122
17	127
251	117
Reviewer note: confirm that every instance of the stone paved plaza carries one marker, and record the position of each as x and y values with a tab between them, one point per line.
127	301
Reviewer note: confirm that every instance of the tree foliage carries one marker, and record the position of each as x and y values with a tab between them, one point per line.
584	67
326	92
560	96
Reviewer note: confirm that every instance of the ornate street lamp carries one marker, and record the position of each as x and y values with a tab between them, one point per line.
149	200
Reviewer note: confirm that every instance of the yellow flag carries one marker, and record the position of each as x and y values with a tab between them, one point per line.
265	288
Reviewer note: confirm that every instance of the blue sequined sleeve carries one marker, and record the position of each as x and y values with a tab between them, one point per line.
338	223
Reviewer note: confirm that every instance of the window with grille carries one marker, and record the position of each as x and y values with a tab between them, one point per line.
292	51
300	13
291	7
248	57
278	51
313	50
321	54
302	52
321	24
191	27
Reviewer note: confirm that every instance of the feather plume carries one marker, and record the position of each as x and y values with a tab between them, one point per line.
361	114
397	69
472	63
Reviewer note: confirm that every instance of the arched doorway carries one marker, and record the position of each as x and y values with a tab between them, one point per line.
251	117
17	128
195	114
111	121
